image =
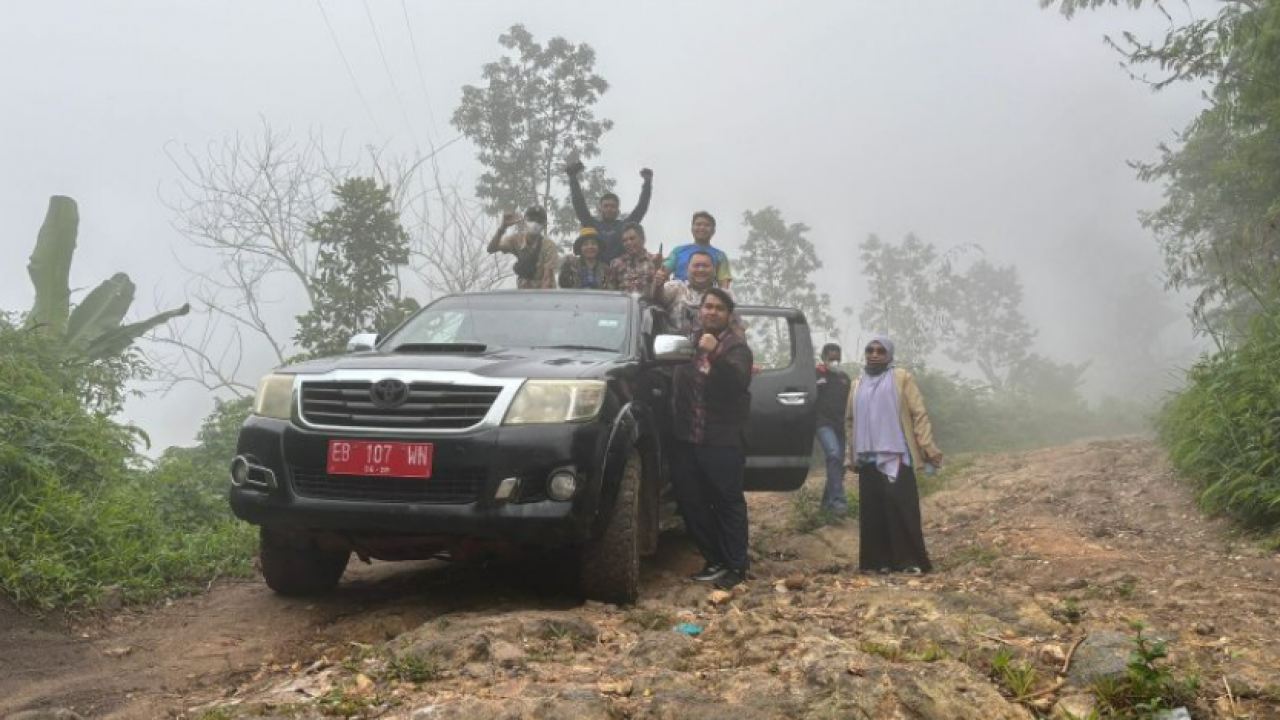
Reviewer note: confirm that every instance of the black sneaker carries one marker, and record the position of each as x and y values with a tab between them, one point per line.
710	573
730	579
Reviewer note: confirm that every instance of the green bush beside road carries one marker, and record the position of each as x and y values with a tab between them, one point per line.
83	514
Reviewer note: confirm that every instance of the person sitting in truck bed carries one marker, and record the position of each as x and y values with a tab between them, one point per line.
610	224
585	270
634	270
682	299
536	255
703	229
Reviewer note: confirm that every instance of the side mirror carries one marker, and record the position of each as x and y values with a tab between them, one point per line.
672	350
361	342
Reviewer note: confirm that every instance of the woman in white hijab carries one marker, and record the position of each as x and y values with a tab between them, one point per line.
890	437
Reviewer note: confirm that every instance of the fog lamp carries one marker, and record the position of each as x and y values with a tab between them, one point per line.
562	486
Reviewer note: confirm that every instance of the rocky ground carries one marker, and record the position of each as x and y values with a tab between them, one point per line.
1045	562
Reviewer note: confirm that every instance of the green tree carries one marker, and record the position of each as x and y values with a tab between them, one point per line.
1219	225
988	328
357	287
775	267
910	286
534	110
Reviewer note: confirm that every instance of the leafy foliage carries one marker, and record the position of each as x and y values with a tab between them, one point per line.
535	109
909	286
361	246
1218	224
989	328
78	515
1222	431
92	335
1149	685
774	268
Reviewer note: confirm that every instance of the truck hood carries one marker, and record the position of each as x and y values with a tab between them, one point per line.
499	362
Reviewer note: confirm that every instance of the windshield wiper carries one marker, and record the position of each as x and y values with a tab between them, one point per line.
440	348
575	347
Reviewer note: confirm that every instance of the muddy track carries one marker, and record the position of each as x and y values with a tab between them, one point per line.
1049	546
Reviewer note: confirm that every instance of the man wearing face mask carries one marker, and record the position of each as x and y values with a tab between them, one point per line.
536	255
611	223
833	396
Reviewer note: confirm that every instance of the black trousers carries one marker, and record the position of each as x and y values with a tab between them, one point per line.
707	480
889	527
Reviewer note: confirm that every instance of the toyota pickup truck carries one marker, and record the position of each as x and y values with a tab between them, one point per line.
521	419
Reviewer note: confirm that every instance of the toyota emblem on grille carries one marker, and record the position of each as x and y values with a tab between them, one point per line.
389	393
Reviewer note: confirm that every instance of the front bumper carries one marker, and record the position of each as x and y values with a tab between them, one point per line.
467	469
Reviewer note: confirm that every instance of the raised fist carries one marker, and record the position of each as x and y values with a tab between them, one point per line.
708	343
510	218
573	167
647	174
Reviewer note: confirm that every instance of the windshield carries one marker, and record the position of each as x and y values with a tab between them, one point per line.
523	320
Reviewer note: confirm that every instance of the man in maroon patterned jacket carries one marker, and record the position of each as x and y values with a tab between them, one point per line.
712	401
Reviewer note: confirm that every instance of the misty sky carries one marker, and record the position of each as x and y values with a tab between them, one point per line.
989	122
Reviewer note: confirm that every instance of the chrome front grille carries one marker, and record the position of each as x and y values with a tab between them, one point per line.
429	405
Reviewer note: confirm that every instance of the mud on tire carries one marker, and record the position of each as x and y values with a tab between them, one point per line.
610	564
293	569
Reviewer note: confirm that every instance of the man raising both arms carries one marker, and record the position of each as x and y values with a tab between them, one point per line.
610	224
703	229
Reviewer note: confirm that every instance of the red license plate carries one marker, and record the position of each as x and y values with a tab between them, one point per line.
391	459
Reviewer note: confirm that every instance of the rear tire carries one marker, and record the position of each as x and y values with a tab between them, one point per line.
292	569
610	565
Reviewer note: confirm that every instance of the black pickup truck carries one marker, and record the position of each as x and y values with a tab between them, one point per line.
532	419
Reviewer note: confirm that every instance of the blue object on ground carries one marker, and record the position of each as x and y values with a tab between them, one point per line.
688	629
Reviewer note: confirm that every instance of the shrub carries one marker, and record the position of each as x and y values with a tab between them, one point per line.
1223	429
79	514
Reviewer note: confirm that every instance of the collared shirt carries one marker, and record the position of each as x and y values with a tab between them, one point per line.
630	273
684	307
682	303
544	278
712	396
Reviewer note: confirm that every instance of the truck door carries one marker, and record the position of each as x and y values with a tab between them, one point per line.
783	398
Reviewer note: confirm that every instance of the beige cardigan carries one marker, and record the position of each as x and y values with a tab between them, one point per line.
915	421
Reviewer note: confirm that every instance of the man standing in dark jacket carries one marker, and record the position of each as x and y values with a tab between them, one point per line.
712	402
610	224
833	397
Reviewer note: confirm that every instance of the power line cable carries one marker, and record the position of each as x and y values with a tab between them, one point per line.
404	112
432	136
350	72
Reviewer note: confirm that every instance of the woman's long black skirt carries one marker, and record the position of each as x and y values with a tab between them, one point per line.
890	533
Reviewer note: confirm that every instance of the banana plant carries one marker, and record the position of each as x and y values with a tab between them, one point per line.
94	327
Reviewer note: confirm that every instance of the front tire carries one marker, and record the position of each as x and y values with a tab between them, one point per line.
292	569
610	565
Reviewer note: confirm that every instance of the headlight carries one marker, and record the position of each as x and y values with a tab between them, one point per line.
556	401
275	397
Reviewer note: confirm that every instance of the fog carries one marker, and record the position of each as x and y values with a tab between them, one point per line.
990	122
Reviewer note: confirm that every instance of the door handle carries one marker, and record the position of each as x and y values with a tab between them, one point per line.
793	398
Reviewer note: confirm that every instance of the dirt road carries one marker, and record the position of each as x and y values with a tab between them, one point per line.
1044	557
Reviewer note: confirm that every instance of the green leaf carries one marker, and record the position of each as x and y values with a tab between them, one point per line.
50	265
101	311
114	342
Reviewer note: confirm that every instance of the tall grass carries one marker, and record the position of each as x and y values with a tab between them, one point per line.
1223	429
80	514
